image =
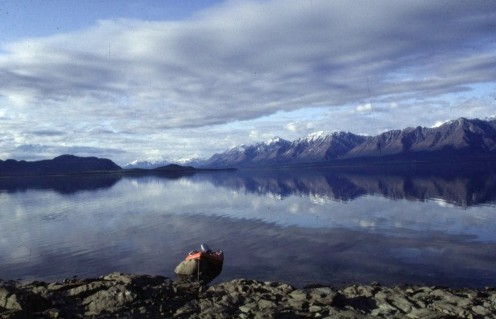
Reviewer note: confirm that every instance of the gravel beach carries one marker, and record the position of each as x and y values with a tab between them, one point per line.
141	296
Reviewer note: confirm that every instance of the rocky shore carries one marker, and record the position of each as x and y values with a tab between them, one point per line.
140	296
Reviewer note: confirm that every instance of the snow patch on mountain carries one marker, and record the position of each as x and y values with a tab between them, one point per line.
146	164
276	140
316	135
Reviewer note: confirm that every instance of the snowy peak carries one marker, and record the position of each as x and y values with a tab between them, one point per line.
316	136
146	164
276	140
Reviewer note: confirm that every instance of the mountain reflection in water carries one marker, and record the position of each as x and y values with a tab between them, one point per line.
299	226
462	188
458	186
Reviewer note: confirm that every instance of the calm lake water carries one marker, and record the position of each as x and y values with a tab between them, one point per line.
299	226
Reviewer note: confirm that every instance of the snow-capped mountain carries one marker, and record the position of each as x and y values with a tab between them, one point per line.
315	147
467	137
253	154
459	136
321	146
145	164
152	164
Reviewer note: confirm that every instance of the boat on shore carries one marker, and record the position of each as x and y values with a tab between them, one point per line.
200	266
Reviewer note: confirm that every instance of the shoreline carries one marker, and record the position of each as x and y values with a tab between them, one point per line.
144	296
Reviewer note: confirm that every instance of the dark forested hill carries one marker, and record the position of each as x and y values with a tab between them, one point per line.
64	164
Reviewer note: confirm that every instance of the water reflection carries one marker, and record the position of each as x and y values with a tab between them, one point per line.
60	183
458	186
296	226
462	188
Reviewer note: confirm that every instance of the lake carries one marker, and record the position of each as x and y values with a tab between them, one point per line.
304	226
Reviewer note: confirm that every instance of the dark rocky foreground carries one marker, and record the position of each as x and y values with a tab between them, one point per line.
141	296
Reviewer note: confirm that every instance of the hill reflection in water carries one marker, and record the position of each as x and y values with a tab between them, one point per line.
63	184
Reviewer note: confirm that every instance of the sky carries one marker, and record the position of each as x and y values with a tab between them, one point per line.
172	80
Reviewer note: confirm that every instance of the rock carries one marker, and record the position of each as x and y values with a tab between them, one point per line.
8	299
299	295
285	288
384	309
402	304
298	305
480	310
363	291
447	308
110	300
323	295
266	304
87	289
187	310
118	277
314	308
424	313
18	299
247	308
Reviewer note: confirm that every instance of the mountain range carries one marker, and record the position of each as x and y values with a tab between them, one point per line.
453	140
461	140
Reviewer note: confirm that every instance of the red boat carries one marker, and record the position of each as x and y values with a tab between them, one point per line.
209	256
202	266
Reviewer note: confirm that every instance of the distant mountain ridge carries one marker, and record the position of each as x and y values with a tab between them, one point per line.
461	137
153	164
64	164
146	164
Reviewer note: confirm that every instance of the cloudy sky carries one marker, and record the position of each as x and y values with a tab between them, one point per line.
177	79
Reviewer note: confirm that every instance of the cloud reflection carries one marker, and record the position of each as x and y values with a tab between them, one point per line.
146	225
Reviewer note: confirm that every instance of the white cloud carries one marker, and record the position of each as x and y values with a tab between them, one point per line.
242	61
364	107
293	127
300	127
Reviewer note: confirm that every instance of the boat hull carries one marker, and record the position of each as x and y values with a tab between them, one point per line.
200	267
